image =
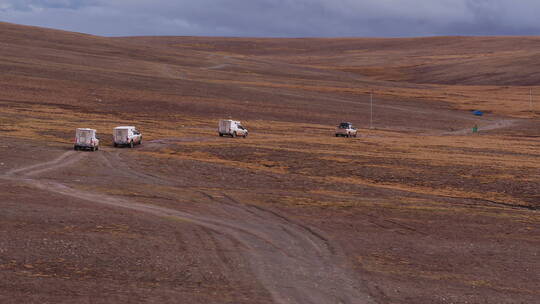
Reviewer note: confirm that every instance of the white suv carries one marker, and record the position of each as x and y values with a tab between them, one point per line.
86	139
232	128
346	129
126	136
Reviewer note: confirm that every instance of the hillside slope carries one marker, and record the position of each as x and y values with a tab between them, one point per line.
417	209
463	72
437	60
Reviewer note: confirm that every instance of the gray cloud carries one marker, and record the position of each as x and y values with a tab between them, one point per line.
279	18
33	5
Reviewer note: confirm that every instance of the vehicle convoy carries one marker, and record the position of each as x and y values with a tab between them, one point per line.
232	128
346	129
126	136
86	139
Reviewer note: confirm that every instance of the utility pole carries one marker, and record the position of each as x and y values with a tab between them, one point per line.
371	116
530	102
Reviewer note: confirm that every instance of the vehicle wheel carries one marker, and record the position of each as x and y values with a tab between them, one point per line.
245	135
115	145
93	149
234	134
355	135
348	135
220	134
75	148
131	144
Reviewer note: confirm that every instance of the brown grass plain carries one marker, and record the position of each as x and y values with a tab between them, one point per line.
418	209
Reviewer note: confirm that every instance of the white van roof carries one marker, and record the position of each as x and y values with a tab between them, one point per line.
125	127
85	129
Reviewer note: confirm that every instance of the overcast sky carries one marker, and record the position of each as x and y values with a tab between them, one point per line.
279	18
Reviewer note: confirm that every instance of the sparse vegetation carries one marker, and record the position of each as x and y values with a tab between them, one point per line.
418	205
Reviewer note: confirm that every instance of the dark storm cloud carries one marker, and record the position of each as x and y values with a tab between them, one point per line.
280	18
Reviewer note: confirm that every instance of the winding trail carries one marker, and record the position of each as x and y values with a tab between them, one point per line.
494	125
292	261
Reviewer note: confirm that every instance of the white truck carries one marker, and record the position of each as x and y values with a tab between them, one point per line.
126	136
86	139
346	129
232	128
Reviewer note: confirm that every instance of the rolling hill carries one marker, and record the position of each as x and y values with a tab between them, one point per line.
417	209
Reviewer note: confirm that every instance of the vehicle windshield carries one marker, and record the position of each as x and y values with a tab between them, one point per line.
344	125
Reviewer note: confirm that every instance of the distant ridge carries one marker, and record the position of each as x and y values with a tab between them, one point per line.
447	69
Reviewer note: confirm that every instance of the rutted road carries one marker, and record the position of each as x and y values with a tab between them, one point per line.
294	263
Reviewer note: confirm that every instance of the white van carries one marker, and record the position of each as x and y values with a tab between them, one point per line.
86	139
126	136
232	128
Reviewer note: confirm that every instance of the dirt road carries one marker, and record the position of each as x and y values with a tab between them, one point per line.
294	263
492	125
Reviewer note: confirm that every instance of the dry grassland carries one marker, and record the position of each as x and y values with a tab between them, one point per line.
424	210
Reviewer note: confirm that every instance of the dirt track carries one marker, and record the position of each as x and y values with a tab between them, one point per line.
295	263
417	210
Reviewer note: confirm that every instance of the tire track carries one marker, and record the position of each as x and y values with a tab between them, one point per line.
293	262
494	125
63	160
115	162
